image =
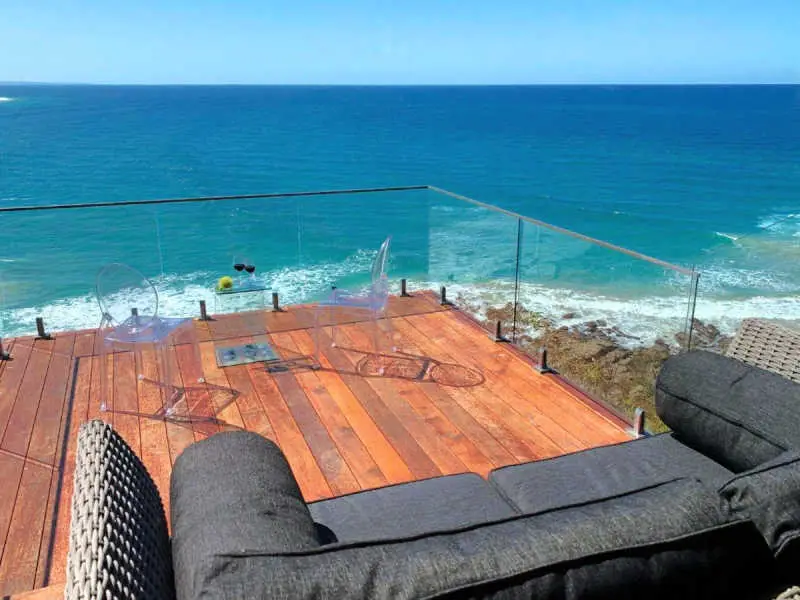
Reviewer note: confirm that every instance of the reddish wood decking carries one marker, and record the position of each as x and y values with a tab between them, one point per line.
451	401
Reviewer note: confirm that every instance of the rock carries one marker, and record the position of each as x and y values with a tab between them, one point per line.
569	315
704	336
602	323
617	331
590	326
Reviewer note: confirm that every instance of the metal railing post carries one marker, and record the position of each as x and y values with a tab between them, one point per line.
516	280
203	311
690	308
639	418
41	334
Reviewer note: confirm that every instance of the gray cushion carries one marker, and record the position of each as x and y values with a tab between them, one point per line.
769	495
411	509
603	472
738	415
232	492
641	545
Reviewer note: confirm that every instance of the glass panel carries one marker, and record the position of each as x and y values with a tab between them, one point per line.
52	259
473	252
607	319
749	276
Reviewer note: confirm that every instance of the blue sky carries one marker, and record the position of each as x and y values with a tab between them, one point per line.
400	41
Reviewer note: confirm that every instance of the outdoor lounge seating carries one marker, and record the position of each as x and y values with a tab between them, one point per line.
710	510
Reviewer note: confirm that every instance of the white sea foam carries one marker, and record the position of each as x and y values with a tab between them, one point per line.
5	99
645	319
179	296
788	223
659	314
728	236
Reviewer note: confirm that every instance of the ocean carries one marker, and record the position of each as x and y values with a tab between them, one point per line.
705	177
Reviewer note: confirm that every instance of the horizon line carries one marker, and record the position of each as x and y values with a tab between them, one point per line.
541	84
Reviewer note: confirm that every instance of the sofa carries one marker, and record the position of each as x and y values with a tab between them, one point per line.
709	510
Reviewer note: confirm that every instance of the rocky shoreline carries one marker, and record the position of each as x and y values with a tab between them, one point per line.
601	357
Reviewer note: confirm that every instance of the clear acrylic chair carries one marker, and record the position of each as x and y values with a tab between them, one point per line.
374	301
131	323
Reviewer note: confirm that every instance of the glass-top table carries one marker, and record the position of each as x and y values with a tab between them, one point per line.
241	287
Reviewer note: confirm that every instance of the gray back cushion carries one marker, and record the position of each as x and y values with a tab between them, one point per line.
769	495
737	415
233	492
644	544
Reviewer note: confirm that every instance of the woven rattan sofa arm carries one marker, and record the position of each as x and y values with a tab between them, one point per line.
118	541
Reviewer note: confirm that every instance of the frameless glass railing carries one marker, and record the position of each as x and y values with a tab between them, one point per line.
607	316
748	276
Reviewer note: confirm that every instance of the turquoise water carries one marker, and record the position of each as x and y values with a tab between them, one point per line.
705	176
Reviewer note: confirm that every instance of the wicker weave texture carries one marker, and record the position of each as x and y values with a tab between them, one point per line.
118	539
769	346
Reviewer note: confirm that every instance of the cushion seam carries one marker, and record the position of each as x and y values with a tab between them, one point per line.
758	471
395	485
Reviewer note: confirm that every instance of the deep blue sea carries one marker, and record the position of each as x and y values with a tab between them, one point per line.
704	176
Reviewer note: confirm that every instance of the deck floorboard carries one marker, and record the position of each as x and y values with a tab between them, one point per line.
450	401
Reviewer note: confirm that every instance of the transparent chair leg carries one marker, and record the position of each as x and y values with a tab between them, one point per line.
106	358
377	341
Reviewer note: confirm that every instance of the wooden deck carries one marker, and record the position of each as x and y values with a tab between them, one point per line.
451	401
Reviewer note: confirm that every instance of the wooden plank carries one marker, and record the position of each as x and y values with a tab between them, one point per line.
352	449
479	402
126	402
180	434
196	399
587	426
508	426
152	427
449	400
10	476
308	473
393	392
617	420
386	457
225	403
461	446
20	424
337	472
95	388
52	592
10	381
551	437
82	344
61	492
250	407
415	458
44	437
21	552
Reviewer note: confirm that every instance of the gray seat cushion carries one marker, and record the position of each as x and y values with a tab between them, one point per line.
665	542
769	495
738	415
603	472
232	492
412	509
